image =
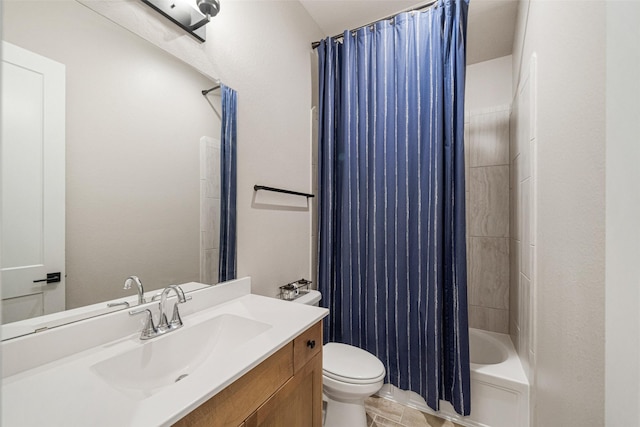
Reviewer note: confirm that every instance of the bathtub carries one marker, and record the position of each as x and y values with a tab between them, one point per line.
499	386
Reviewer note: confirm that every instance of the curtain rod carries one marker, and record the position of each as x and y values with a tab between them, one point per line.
217	86
413	9
205	92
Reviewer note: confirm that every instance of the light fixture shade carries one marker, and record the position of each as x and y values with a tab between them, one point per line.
187	17
209	7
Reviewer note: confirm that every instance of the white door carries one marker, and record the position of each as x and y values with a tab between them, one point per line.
33	184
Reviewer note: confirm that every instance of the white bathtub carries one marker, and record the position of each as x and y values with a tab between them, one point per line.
499	386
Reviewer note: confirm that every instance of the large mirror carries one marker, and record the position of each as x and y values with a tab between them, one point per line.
140	191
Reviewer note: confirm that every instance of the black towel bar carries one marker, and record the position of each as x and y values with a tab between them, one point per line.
280	190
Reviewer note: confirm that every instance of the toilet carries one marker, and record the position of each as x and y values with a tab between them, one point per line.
349	375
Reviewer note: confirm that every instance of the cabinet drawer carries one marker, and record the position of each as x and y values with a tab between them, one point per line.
307	345
232	405
296	404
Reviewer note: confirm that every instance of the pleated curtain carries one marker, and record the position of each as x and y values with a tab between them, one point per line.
392	253
228	136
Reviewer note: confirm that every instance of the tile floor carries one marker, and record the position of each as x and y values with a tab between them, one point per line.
382	412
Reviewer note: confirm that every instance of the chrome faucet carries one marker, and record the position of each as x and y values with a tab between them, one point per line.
127	285
150	330
176	320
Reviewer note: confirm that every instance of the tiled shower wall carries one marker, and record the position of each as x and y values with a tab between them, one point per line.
523	221
209	209
487	186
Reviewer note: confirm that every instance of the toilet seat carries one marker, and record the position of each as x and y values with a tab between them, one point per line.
349	364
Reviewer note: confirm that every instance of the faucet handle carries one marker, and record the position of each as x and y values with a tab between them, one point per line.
149	330
116	304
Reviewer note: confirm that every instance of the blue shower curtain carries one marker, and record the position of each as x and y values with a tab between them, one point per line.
392	254
227	257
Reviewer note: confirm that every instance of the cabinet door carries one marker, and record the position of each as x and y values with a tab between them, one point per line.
297	404
307	345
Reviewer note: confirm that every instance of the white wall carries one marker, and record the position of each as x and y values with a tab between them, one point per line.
135	116
568	297
488	84
622	392
262	50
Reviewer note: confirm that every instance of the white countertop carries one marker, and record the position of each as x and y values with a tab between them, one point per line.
68	392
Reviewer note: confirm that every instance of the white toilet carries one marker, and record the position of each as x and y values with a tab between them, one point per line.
349	375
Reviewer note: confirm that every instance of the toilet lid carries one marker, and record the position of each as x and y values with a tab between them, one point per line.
347	363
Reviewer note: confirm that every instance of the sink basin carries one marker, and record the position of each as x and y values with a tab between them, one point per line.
163	361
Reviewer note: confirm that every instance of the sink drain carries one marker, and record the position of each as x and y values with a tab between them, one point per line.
181	377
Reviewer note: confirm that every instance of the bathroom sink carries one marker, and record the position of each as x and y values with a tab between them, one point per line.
163	361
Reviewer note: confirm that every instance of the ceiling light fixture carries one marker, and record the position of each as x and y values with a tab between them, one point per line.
186	16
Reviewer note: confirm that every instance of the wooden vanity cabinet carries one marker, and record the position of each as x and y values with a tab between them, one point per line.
284	390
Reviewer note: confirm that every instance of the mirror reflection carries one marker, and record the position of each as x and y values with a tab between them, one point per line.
114	168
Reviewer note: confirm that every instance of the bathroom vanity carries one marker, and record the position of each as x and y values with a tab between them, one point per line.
239	360
284	390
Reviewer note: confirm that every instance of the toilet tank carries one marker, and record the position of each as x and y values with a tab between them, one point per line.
309	297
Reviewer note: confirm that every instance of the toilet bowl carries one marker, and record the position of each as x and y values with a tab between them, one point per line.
349	375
